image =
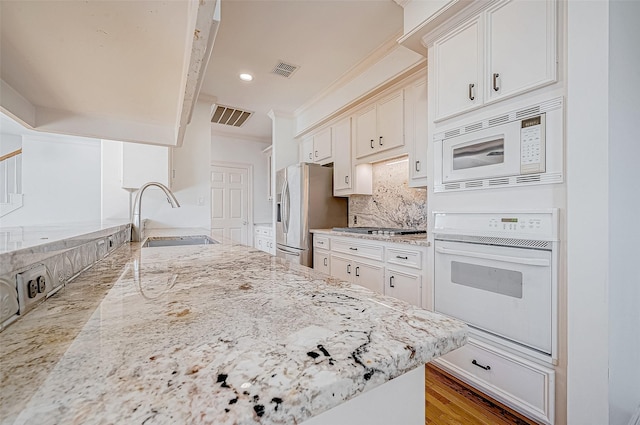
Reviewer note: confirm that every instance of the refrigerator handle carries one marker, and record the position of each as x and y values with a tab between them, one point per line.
297	254
285	207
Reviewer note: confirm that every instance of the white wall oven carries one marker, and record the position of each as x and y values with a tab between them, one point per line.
498	272
520	147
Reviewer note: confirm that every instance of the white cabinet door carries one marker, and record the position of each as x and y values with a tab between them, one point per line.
342	162
322	261
366	132
370	276
416	132
458	70
306	150
390	122
404	286
322	146
341	267
520	46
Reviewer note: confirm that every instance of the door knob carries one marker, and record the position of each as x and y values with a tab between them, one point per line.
244	223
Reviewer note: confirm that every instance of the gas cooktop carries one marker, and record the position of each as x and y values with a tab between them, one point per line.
378	230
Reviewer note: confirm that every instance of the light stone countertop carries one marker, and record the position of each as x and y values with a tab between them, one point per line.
221	333
419	239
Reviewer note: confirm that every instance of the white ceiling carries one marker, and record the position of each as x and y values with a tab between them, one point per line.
117	68
325	38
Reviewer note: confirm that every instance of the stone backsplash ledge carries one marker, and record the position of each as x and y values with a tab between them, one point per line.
393	203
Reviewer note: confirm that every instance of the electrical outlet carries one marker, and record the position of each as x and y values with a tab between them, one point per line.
32	287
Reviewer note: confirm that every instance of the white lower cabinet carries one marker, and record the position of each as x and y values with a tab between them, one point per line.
322	261
371	276
519	383
404	286
386	268
263	239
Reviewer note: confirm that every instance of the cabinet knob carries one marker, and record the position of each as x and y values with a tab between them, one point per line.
348	268
371	143
380	141
471	95
495	82
346	179
325	261
316	154
310	155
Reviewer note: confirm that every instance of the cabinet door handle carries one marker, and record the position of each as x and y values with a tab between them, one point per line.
346	179
348	268
358	271
380	141
310	155
495	81
471	87
475	363
353	249
325	261
371	143
320	243
417	165
402	257
391	284
316	154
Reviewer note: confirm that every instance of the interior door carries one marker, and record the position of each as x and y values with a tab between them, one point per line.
229	202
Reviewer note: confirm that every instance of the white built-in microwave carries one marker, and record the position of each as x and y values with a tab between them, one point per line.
520	147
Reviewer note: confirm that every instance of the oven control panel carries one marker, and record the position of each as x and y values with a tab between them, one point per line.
541	225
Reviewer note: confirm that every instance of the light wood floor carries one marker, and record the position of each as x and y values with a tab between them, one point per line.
451	402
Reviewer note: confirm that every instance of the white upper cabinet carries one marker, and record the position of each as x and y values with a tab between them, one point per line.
458	70
342	175
322	145
306	150
380	126
507	49
317	147
416	131
521	44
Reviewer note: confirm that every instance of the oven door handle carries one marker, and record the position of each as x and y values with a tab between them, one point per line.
518	260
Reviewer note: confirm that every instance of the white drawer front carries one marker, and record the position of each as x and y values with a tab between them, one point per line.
375	252
263	231
519	383
322	242
404	257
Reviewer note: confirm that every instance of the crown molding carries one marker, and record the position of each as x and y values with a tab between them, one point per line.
273	114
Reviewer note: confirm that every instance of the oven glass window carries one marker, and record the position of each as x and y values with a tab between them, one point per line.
479	154
500	281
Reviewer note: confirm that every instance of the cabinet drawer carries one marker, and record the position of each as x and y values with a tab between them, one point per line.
404	257
263	231
523	385
375	252
321	242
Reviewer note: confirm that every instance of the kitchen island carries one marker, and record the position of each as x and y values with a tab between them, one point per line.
220	334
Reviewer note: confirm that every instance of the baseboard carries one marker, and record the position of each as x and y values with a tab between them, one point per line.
635	419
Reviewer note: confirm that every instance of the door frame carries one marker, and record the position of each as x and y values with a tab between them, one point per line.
249	168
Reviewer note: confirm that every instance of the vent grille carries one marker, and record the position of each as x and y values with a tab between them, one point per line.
527	112
528	179
452	133
475	183
525	180
498	120
473	127
498	182
491	240
284	69
226	115
452	186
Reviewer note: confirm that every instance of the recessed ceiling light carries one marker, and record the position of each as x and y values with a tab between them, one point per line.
246	77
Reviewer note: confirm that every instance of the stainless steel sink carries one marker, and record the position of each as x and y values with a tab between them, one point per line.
178	240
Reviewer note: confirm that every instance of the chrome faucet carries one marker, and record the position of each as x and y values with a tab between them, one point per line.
136	231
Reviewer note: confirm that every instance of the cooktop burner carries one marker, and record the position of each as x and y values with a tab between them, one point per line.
378	230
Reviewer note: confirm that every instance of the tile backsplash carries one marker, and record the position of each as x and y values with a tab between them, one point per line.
393	203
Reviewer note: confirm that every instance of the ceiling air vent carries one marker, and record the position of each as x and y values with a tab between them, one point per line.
227	115
284	69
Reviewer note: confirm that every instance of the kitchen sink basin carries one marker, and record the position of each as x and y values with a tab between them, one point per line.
178	240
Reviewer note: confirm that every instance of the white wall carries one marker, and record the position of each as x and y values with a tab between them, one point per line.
587	212
61	181
229	148
9	143
115	201
624	207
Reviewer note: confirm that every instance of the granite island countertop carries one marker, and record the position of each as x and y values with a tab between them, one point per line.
419	239
221	333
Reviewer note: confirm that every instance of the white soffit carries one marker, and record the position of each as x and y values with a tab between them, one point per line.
119	70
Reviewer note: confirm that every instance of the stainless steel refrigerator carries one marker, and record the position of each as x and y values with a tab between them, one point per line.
304	200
